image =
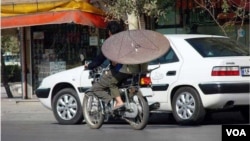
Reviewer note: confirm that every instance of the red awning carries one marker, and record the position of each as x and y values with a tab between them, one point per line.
31	13
53	17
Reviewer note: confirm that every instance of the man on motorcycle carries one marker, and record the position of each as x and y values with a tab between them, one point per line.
116	74
111	77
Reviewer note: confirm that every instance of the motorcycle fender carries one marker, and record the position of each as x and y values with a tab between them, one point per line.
146	92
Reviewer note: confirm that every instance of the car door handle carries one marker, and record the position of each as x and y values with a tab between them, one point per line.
171	73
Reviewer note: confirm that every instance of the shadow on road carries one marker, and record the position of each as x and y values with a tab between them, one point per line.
218	118
211	119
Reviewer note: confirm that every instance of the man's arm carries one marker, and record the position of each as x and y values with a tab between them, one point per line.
96	62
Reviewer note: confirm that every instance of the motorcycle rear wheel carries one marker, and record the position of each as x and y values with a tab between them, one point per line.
92	112
141	120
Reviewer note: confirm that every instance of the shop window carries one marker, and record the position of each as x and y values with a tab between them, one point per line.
173	18
58	47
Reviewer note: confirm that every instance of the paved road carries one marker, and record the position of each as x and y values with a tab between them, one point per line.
28	120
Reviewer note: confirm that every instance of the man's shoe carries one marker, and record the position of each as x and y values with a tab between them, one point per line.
119	107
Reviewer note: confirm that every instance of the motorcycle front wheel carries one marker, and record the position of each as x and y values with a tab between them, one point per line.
92	111
141	120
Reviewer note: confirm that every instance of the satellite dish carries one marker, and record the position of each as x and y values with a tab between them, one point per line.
135	46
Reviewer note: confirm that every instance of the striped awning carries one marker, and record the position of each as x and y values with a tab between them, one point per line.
53	12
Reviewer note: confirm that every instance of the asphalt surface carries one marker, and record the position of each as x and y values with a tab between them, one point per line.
28	120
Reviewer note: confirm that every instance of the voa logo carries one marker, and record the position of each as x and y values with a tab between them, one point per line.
236	132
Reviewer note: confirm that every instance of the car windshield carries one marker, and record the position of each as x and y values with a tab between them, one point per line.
218	47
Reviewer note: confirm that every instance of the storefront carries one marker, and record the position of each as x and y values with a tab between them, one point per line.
52	36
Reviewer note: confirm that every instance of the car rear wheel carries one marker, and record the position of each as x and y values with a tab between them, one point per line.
67	107
187	106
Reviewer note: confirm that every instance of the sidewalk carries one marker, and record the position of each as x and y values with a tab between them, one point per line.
17	96
22	109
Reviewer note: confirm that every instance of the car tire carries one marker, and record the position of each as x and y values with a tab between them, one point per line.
66	107
187	106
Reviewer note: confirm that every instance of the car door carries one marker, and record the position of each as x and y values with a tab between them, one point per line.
163	77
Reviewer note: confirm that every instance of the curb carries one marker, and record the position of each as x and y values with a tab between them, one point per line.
18	100
27	100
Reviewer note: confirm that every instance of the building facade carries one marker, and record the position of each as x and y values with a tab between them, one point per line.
51	47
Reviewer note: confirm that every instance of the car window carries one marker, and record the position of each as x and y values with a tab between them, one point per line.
218	47
168	57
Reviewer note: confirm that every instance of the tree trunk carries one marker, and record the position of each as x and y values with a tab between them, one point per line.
133	21
4	78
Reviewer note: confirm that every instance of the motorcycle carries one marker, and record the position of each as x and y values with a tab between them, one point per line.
133	91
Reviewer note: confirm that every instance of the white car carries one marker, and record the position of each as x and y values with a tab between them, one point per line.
201	73
198	73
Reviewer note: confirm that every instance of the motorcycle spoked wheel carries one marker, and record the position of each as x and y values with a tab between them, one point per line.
92	111
141	120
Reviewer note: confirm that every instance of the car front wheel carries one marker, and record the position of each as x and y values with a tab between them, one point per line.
187	106
67	107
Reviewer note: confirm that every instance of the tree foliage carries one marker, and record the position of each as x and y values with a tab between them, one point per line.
117	9
232	13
